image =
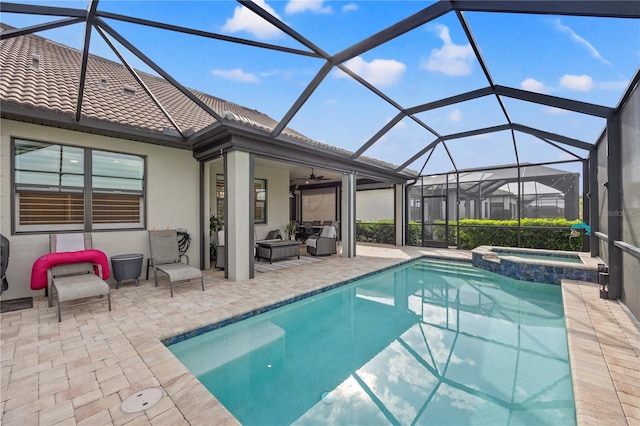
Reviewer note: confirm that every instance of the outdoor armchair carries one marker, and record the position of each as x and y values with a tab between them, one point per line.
165	257
323	244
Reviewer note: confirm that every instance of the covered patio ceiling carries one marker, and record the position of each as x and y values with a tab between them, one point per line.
359	84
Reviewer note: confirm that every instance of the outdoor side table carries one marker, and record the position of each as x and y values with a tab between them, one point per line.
126	267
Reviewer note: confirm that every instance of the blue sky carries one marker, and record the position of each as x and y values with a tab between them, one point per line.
588	59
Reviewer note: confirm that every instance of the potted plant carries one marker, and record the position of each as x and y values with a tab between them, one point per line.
290	230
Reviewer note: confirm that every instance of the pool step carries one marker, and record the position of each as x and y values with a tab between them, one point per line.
215	350
451	269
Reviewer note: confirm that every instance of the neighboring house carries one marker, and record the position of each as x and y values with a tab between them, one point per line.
545	192
137	153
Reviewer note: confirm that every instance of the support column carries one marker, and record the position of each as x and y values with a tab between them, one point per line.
400	204
586	240
238	215
571	210
205	212
348	218
594	215
614	201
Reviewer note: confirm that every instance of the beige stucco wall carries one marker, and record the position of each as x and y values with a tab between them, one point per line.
277	196
171	200
373	205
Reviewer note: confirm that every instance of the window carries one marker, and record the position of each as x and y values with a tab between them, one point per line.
220	197
59	187
259	199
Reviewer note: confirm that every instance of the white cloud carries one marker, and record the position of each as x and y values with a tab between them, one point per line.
455	115
582	83
299	6
379	72
533	85
245	20
575	37
554	110
236	75
450	59
349	7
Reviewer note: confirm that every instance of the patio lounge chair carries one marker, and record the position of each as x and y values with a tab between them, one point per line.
165	257
323	244
68	279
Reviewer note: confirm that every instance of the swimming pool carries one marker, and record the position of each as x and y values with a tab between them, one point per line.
425	342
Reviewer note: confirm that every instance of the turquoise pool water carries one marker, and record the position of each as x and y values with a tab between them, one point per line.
424	343
565	259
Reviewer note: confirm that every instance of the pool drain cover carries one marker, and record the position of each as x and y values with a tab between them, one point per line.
142	400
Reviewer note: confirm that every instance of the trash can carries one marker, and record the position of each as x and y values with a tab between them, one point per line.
126	267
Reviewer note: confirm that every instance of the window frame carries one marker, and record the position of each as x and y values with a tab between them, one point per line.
220	200
87	192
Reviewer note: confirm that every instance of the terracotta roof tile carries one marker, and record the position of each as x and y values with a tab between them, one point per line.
53	85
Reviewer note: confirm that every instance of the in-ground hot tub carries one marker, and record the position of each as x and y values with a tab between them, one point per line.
540	266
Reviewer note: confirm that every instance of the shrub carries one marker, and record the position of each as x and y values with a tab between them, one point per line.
414	234
382	231
551	234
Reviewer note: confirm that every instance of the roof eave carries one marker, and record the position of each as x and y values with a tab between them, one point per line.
45	117
257	141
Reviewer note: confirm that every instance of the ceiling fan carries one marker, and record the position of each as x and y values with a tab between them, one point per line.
312	177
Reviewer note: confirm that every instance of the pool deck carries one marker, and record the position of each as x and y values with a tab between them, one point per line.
80	370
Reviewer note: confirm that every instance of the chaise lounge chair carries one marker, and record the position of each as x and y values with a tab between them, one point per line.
71	280
165	257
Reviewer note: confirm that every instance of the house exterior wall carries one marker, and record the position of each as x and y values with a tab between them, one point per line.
171	200
277	200
277	196
630	213
374	205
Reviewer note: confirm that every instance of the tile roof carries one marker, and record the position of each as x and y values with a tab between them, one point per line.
53	85
43	74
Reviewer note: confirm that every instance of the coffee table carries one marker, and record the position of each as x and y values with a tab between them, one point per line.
277	249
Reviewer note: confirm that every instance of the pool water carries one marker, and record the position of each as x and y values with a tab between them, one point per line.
423	343
567	259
